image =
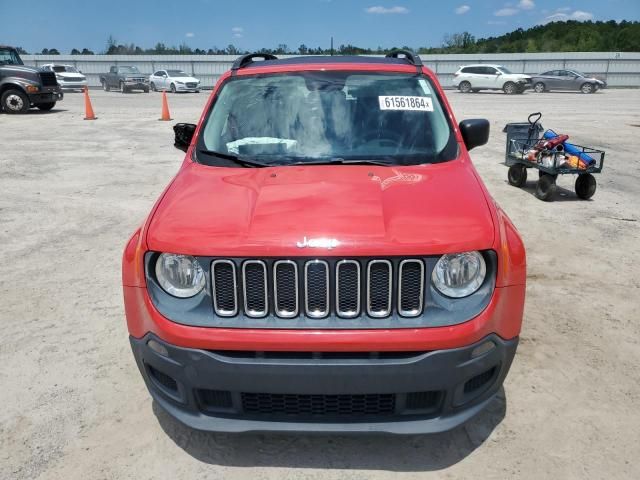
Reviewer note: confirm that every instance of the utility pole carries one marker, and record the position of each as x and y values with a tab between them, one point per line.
332	46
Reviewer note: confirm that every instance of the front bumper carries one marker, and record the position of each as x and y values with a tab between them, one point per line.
80	84
185	88
136	85
46	97
401	393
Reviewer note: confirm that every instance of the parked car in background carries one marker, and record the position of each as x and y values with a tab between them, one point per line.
472	78
566	80
124	78
68	76
174	80
23	87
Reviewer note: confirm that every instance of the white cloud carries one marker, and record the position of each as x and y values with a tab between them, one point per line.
577	15
462	9
386	10
189	34
581	16
237	32
506	12
526	4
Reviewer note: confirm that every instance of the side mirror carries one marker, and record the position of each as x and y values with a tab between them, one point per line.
475	132
498	72
183	135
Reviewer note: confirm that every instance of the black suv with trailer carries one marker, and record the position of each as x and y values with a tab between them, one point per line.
23	87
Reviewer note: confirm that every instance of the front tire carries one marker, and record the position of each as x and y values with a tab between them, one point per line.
45	107
587	88
509	88
585	186
173	88
539	87
105	87
517	175
15	101
123	89
153	87
546	188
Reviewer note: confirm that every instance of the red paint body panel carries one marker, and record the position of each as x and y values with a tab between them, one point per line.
502	316
370	210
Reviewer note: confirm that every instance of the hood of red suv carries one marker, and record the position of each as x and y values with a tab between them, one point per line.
327	210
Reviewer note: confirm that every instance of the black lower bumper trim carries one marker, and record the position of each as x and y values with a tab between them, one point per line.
425	393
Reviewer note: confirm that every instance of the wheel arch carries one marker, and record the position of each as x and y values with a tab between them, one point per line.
8	84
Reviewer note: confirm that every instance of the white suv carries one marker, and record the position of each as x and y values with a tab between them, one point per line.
472	78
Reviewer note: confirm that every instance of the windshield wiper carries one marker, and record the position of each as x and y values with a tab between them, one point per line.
341	161
245	162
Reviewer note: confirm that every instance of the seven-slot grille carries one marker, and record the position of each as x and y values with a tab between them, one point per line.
316	289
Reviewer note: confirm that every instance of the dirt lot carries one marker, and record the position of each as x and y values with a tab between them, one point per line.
74	406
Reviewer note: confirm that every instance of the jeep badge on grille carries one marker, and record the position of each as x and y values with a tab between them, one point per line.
318	243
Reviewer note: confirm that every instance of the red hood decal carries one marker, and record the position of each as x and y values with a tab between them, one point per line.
322	210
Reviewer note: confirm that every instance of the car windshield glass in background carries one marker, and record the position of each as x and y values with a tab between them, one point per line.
9	57
129	70
576	72
62	68
505	70
176	73
340	116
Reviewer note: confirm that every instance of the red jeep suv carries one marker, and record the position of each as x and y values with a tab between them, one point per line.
327	258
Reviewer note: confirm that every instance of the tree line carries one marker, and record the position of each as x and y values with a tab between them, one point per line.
568	36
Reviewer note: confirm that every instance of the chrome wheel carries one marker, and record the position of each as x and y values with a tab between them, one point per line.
539	87
587	88
14	102
509	88
465	87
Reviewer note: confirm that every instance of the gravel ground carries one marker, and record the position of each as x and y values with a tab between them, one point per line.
74	406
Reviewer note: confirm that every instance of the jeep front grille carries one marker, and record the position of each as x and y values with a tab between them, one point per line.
225	288
254	281
318	288
285	288
348	288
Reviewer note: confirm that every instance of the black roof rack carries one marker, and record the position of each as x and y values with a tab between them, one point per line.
411	57
245	60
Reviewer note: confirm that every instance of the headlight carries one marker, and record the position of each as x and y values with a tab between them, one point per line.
179	82
459	275
179	275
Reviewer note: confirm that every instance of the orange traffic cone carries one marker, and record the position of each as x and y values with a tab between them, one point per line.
88	109
165	108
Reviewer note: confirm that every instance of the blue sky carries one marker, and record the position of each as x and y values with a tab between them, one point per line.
67	24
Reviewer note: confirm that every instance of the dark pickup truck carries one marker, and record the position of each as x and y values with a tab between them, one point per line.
125	79
23	87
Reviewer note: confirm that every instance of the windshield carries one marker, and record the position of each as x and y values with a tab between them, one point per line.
63	68
505	70
308	117
129	70
176	73
9	57
577	73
